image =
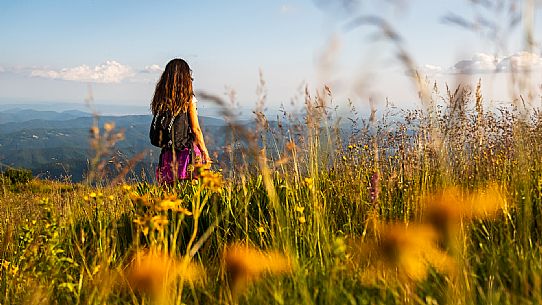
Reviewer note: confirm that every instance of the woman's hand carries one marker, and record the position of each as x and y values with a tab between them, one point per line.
206	157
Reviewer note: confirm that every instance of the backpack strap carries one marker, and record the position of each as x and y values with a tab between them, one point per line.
173	120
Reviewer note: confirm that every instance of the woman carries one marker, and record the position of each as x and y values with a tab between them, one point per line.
174	109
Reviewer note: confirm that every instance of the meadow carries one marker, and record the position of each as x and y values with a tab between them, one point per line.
437	205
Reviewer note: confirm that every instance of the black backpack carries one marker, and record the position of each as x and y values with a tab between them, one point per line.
169	130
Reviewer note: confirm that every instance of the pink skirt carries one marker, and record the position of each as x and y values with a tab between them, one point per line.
170	170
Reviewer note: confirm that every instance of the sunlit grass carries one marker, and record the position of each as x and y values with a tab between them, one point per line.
384	217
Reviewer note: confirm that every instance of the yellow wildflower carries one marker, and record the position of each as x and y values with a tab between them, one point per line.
109	126
401	253
174	205
153	271
308	182
5	264
245	264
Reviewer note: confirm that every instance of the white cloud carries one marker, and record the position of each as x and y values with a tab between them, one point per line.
486	63
521	62
482	63
432	69
2	69
109	72
479	63
152	69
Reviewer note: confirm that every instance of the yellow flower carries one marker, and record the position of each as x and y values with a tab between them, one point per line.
14	270
245	264
153	271
212	180
92	195
110	197
5	264
85	198
126	187
95	131
308	182
159	222
446	210
302	219
174	205
261	230
109	126
299	209
400	253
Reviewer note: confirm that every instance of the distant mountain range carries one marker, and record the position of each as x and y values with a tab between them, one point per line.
56	144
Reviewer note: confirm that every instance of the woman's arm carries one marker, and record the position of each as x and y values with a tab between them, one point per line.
194	123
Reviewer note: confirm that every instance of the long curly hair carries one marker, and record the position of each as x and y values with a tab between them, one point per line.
174	89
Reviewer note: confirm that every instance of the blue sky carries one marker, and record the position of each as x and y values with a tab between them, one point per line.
55	50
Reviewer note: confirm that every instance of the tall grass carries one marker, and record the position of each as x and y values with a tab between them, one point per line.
432	206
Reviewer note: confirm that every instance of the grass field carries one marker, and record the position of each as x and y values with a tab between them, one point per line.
432	206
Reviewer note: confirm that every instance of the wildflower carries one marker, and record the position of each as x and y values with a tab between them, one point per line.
261	230
152	272
174	205
94	131
110	197
350	147
245	264
308	182
92	195
85	198
126	187
302	219
401	253
14	270
5	264
446	210
143	222
144	200
159	222
109	126
211	180
299	209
